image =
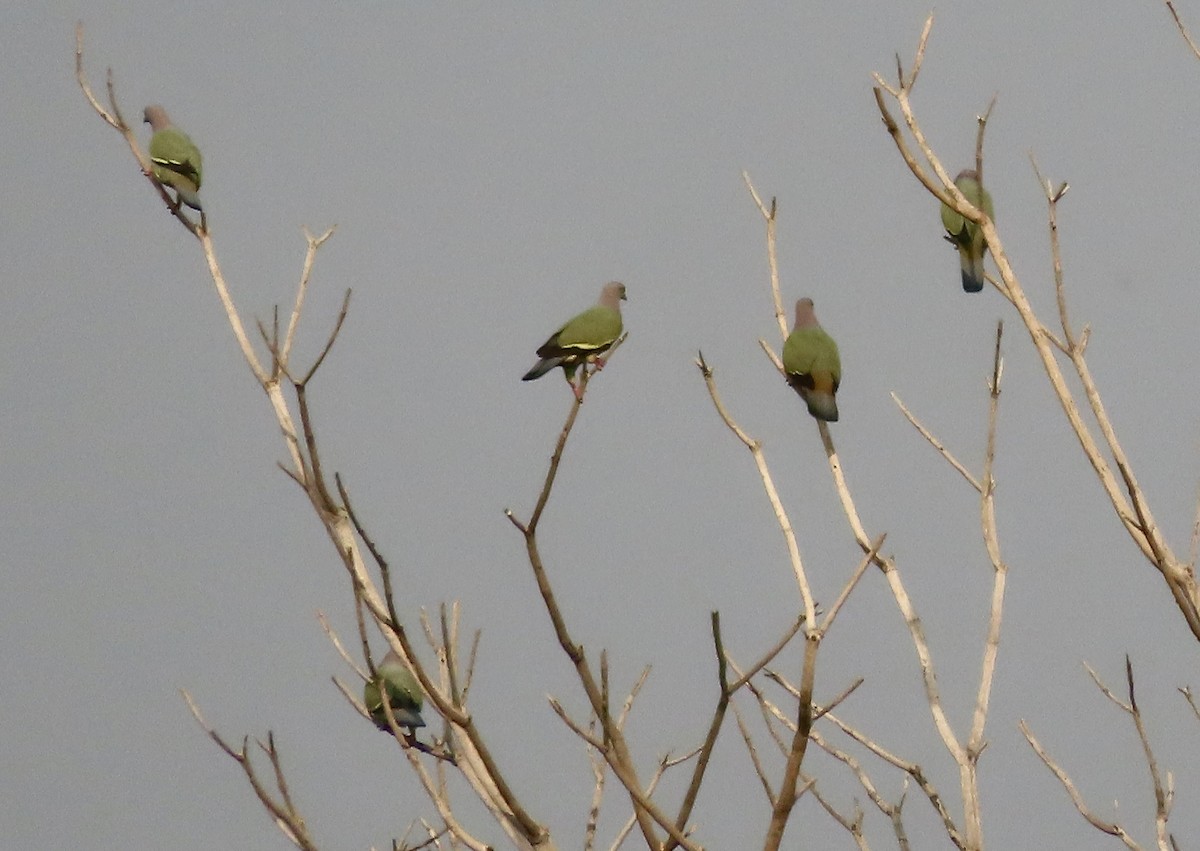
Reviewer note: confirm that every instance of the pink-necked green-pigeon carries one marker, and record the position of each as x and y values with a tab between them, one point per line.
810	359
966	235
585	336
403	691
176	160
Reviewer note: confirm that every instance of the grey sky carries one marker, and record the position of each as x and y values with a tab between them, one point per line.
489	166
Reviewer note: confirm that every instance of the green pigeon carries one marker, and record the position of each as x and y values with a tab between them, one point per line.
810	359
589	334
966	235
176	159
404	694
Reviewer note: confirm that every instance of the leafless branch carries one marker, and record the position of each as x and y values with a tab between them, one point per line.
768	214
1183	30
641	799
760	462
310	256
748	740
1188	695
890	810
1123	491
991	541
1109	827
852	583
615	750
913	770
937	444
853	826
278	803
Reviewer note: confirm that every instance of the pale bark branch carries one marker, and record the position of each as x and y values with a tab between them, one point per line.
913	770
472	756
853	826
1112	828
1124	493
760	463
768	213
937	444
278	803
1183	30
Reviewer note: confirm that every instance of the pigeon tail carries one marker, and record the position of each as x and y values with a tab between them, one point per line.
821	405
541	368
189	197
972	273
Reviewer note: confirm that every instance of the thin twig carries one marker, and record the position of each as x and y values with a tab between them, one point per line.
1112	828
1183	30
937	444
760	462
279	804
768	213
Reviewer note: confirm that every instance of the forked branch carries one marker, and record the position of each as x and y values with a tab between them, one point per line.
1121	486
1164	791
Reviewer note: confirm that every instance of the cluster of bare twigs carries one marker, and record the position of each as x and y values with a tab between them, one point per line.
800	721
786	705
461	745
1103	452
1164	793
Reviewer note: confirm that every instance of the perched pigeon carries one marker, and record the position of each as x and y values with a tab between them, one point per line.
404	694
810	359
589	334
966	235
176	160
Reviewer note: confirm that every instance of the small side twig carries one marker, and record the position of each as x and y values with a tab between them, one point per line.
278	803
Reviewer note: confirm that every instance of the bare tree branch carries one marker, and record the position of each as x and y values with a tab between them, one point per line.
1183	30
1109	827
1122	488
278	803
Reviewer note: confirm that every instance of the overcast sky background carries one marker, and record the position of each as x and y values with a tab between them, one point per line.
489	166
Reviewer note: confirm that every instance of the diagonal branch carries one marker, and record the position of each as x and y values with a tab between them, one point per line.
1183	30
1112	828
760	462
278	803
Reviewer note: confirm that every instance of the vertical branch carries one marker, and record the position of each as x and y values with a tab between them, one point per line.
768	214
973	817
785	801
982	121
991	541
310	256
1163	797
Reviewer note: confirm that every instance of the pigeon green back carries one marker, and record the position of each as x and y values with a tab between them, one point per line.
809	351
976	194
172	145
596	328
958	227
403	691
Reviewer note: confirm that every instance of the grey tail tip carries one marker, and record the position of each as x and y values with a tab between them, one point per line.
190	198
971	284
823	410
540	368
